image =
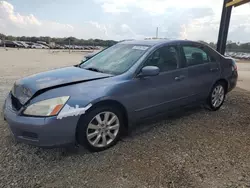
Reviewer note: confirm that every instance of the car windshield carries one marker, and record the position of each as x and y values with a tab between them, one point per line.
116	59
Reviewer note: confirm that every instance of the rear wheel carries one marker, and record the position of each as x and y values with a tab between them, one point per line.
217	96
100	128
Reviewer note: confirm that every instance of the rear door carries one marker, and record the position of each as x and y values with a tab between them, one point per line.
203	69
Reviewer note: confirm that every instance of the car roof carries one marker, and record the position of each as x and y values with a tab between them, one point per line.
155	42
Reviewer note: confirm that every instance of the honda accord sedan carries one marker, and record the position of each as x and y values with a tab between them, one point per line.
93	103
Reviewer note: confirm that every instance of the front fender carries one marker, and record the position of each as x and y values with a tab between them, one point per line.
84	94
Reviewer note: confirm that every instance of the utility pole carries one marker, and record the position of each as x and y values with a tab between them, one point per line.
69	45
4	43
49	44
157	32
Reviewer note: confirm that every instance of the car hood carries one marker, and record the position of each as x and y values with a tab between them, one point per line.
27	87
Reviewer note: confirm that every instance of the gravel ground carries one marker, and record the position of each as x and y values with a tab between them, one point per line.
195	148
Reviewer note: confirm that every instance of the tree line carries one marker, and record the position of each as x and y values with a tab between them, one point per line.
60	41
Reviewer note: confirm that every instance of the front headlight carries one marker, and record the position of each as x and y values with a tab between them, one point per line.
48	107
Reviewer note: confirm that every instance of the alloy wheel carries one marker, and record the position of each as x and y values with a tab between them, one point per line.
218	95
103	129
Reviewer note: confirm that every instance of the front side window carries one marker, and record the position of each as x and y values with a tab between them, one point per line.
195	55
116	59
166	58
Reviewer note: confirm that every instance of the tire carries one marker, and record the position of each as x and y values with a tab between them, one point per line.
218	93
84	128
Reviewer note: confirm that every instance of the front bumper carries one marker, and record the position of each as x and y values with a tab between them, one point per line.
39	131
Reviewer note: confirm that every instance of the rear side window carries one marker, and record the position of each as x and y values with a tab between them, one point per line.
195	55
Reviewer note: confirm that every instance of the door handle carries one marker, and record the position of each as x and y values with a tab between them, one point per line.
179	78
214	69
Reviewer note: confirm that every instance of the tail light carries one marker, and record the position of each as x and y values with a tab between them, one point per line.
234	66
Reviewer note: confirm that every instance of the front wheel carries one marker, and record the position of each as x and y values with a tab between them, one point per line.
217	96
100	128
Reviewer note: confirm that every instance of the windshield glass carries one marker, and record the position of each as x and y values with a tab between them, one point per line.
116	59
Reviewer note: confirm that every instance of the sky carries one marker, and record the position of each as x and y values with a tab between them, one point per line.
122	19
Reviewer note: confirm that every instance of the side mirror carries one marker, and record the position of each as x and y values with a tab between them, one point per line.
149	71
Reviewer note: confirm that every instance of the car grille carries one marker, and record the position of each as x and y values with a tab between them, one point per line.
16	105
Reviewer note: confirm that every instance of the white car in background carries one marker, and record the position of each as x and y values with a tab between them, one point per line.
25	45
39	46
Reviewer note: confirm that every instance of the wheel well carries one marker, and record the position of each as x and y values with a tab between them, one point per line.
225	82
116	104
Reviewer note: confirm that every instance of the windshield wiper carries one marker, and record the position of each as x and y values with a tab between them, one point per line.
93	69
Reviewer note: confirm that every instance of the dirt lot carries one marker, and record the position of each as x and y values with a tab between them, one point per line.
244	74
195	148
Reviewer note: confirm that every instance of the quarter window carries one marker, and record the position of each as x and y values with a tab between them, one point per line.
166	58
195	56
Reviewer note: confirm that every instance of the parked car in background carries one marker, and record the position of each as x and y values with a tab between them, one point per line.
239	55
43	43
39	46
11	44
59	47
25	45
95	102
18	45
30	44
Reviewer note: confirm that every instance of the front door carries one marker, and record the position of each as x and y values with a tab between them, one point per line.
156	94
